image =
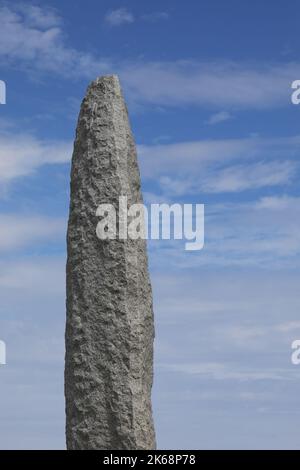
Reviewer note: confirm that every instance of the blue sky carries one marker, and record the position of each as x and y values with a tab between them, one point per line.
208	87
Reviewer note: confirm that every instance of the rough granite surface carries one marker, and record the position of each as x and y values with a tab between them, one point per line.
109	329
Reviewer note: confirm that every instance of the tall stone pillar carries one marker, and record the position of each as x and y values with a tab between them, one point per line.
109	330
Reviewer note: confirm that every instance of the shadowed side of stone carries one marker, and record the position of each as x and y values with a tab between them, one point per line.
109	330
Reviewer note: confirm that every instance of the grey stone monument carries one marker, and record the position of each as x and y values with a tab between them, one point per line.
109	330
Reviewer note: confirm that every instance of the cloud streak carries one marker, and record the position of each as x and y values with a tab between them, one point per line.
219	117
212	84
220	166
119	17
42	275
21	155
18	231
219	371
33	39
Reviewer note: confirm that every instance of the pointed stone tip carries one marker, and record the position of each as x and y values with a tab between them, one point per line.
106	79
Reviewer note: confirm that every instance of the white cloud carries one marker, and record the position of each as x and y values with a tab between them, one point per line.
261	238
32	292
191	157
221	371
21	155
250	176
279	203
219	117
220	165
124	16
43	274
292	326
40	17
216	83
119	17
234	178
239	235
244	320
204	165
18	231
32	38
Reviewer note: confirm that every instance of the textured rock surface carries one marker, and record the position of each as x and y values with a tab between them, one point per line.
109	331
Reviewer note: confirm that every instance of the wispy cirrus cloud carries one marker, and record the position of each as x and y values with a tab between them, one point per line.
229	165
221	371
279	203
39	17
213	84
34	39
119	16
220	166
233	179
192	156
45	274
249	176
256	234
18	231
21	155
219	117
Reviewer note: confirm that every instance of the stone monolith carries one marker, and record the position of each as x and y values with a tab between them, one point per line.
109	330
